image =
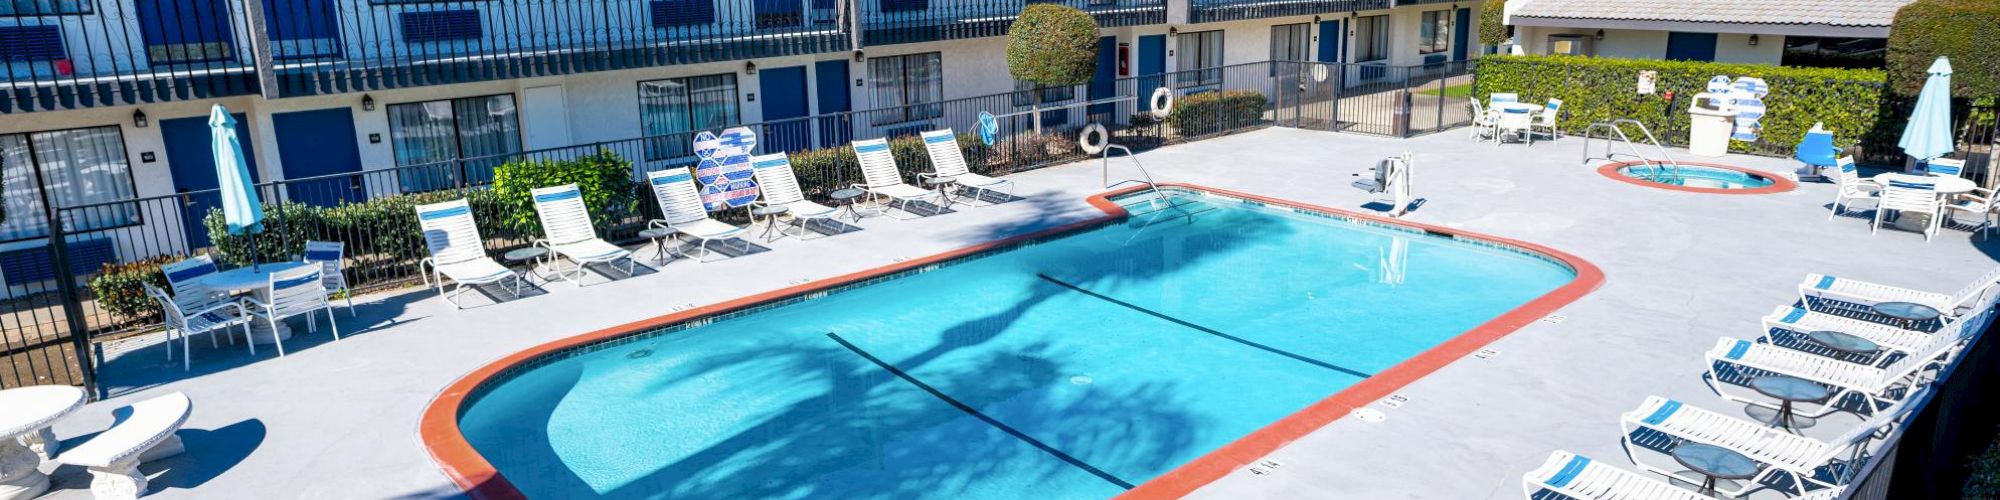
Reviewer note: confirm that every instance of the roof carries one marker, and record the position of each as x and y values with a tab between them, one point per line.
1875	14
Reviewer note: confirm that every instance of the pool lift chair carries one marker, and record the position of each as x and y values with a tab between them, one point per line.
1392	179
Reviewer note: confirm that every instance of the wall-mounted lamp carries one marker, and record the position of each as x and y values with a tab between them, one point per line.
1315	19
858	56
1753	40
1171	32
1600	35
139	118
749	67
367	102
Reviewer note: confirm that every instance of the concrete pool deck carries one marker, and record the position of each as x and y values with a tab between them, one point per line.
339	420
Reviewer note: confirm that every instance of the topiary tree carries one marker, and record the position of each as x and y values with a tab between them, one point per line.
1051	45
1967	31
1492	22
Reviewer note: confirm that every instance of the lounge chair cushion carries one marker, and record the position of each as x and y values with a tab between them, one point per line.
707	229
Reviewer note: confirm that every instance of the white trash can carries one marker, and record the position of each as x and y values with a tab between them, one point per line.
1713	118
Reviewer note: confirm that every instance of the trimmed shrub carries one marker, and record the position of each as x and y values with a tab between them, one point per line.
1492	22
1967	31
604	178
1214	112
286	228
1848	101
117	288
384	227
1052	44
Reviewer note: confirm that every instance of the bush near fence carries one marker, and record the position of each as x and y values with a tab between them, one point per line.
604	178
1215	112
118	289
1849	101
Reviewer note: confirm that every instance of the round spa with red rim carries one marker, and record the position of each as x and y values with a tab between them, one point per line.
1697	177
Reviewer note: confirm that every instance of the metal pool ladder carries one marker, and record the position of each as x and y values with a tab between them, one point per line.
1145	180
1662	169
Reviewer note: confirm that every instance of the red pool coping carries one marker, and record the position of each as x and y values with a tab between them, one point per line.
1779	184
469	470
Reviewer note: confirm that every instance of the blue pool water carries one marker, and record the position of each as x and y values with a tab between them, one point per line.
1069	368
1698	176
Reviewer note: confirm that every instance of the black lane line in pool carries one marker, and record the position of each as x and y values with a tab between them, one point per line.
1207	330
969	410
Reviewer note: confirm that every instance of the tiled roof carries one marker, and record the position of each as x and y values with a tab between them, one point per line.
1823	12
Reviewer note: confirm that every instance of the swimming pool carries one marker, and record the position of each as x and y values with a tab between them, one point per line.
1698	177
1070	365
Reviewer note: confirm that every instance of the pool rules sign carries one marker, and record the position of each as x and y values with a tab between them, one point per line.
727	181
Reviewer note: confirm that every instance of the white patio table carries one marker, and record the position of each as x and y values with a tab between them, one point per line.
256	281
25	438
1946	186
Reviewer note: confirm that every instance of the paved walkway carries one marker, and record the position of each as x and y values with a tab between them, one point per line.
338	420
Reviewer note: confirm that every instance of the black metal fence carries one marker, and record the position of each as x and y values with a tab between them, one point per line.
47	324
907	21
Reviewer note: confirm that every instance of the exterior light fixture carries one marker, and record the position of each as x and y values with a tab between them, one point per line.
1171	32
367	102
858	55
1600	35
1753	40
750	67
139	118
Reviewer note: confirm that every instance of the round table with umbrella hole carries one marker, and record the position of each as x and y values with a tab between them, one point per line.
256	282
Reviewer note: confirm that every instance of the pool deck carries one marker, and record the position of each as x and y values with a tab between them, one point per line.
339	420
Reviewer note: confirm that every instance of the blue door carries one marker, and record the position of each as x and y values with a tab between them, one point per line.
193	169
1330	35
186	31
1152	63
1104	84
784	92
1461	34
833	99
319	144
1690	46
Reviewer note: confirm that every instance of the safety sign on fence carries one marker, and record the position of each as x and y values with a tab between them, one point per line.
727	180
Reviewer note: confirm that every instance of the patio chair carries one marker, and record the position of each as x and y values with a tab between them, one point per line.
1944	167
948	162
184	278
1976	203
1852	187
1960	302
568	234
330	254
682	211
1804	461
878	168
144	434
294	292
1500	97
184	323
1482	121
1514	122
1878	386
1908	194
457	252
779	186
1576	476
1545	121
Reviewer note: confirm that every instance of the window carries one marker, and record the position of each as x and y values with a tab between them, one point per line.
907	87
1434	35
485	131
1024	93
186	31
1829	52
10	8
1371	38
1289	43
1572	45
670	109
1200	59
76	167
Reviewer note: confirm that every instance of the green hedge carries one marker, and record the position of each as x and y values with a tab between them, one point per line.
604	178
1214	112
1593	89
117	289
1967	31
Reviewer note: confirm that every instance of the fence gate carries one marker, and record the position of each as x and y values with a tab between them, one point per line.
43	331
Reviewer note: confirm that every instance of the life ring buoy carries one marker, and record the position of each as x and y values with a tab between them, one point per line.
1093	139
1162	102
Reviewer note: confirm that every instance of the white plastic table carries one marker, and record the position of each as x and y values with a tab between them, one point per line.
254	280
25	415
1945	185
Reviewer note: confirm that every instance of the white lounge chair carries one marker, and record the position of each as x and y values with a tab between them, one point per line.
294	292
568	234
144	435
779	187
1852	187
948	162
681	207
184	323
1910	195
1878	386
329	254
1957	304
1579	477
1892	339
883	180
1781	453
457	252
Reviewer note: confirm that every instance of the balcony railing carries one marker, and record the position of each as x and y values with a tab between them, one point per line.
908	21
62	54
1206	11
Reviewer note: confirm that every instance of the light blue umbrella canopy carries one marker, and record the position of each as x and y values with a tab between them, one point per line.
240	207
1928	134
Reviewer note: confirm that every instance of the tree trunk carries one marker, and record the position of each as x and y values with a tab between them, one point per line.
1036	109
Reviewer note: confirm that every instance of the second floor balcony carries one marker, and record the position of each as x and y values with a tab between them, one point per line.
1208	11
909	21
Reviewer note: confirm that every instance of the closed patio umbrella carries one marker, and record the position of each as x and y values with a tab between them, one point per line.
1928	135
241	209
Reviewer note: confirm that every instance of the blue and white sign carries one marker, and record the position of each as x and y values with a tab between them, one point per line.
1748	93
724	170
989	128
1719	84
